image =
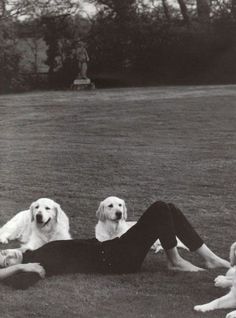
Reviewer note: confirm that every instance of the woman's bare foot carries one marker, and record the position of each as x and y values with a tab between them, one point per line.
216	262
176	263
211	259
183	266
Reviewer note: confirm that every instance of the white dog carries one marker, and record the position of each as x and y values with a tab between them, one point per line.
112	215
229	280
43	222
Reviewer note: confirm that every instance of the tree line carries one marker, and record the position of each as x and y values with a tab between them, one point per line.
129	42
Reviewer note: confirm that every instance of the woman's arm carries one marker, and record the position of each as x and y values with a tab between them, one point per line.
30	267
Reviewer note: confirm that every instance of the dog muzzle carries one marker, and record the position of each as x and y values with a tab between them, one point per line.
39	220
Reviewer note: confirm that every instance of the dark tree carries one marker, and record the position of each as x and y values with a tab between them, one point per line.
203	11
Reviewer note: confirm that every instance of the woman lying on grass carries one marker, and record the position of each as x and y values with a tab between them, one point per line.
120	255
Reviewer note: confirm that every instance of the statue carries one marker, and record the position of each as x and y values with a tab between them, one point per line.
81	55
82	58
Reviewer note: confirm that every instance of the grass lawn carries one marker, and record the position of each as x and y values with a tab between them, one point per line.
170	143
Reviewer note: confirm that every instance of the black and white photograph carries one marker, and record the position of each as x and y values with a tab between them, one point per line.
118	158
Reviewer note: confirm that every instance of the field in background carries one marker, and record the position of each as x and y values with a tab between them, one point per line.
172	143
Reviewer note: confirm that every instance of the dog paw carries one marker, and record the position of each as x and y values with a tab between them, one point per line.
157	246
231	314
202	308
219	280
3	240
222	281
157	250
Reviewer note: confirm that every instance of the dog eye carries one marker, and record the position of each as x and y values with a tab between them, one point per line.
120	204
47	208
110	206
36	207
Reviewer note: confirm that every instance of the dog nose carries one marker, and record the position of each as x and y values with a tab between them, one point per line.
118	215
39	218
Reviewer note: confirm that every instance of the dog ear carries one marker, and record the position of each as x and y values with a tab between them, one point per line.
31	209
232	254
125	211
61	217
100	213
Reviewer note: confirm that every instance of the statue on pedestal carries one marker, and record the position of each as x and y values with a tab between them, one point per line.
81	55
82	58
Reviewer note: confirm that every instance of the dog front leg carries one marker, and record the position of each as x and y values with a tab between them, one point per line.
231	314
16	228
227	301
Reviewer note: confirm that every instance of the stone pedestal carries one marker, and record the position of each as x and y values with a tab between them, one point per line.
82	84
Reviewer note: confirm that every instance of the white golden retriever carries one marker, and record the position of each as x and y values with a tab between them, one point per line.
112	215
45	221
229	280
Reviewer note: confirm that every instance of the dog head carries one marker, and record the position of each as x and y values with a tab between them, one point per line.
232	254
45	212
113	209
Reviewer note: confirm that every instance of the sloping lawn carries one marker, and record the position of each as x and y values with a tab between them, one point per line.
173	143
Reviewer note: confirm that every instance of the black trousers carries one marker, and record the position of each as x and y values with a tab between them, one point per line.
120	255
160	221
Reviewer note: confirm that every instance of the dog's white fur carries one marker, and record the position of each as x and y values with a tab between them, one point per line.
112	215
229	280
43	222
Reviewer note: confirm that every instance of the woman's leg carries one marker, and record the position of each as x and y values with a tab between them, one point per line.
156	222
188	236
211	259
164	221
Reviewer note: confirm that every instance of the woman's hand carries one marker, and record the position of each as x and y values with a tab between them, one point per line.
33	267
